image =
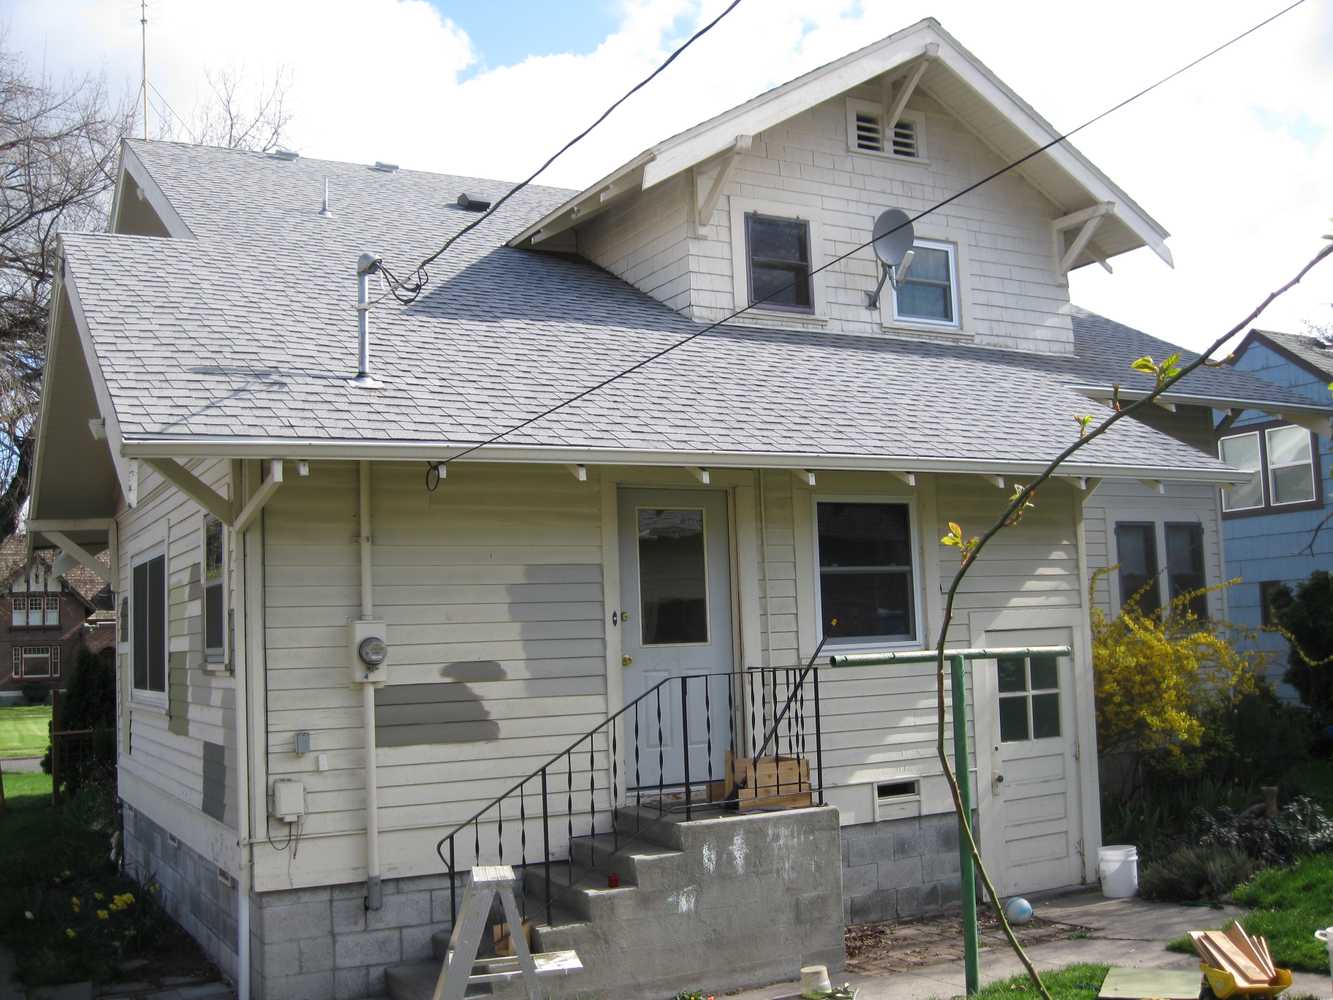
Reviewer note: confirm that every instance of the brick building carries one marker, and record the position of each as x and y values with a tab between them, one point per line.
48	617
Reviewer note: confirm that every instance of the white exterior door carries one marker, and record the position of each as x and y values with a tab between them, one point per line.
1033	838
675	571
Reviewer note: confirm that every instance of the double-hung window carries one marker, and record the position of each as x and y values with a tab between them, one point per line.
1283	459
867	589
1141	578
36	661
778	254
929	292
215	592
148	641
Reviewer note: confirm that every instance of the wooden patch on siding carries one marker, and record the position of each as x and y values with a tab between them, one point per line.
443	712
215	780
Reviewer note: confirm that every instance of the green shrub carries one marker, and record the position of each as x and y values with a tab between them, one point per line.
1307	616
1257	739
34	694
88	703
1193	873
1300	828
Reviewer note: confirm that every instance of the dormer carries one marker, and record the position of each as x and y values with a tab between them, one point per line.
140	207
782	192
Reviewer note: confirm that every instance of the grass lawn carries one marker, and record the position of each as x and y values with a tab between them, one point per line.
23	790
1073	982
23	731
1288	905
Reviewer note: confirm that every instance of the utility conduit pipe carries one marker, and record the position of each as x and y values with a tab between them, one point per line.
374	894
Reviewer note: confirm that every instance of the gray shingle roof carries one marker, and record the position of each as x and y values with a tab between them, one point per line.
248	331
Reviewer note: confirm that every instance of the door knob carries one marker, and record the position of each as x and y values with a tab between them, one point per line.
626	660
999	779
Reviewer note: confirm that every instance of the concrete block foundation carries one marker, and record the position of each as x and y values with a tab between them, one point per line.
898	869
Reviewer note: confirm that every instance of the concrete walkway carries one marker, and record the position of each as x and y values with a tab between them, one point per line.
21	765
1130	932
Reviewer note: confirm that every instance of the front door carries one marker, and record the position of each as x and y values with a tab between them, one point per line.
1034	772
675	571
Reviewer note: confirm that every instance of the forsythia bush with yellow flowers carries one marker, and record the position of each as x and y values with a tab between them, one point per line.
1157	676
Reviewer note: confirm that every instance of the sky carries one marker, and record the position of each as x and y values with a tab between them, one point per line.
1234	158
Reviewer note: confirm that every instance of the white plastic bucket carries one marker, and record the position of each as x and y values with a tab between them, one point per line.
1118	866
1326	935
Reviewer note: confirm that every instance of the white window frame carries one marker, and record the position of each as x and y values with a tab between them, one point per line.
1260	473
215	660
861	644
46	653
951	249
18	619
917	118
51	611
1270	468
1159	520
739	208
146	696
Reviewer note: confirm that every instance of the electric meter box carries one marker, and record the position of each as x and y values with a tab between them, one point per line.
288	800
368	649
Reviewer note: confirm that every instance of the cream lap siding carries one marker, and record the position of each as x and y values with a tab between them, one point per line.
645	241
879	722
1012	293
188	752
777	576
491	588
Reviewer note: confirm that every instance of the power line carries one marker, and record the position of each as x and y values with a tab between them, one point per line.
841	257
407	292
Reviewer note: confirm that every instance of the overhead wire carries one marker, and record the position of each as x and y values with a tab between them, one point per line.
408	291
644	362
167	104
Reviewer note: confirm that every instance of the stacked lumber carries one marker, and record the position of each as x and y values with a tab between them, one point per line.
1246	959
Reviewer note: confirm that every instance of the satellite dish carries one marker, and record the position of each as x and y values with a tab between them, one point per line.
892	243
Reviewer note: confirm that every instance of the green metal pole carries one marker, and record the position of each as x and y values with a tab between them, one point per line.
966	874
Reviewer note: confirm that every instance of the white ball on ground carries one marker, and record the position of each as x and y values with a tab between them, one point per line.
1018	910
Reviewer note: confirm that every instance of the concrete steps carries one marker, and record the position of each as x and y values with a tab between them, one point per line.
719	902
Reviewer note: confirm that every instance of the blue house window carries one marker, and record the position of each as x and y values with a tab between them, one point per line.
1285	463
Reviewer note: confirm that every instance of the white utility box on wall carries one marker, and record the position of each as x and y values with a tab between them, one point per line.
368	640
288	800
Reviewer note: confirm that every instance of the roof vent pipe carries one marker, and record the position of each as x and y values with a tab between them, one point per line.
366	265
325	211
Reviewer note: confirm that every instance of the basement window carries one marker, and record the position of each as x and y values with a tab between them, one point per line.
866	132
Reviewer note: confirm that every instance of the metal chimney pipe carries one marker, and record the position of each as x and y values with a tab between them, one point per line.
366	265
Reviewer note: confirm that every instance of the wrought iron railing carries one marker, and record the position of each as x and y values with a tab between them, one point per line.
744	713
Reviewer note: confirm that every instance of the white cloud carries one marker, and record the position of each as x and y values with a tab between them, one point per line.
1235	157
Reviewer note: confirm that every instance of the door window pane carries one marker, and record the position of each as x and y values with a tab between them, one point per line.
1184	565
1013	720
865	570
1136	552
1242	452
1045	716
1012	674
673	576
1045	673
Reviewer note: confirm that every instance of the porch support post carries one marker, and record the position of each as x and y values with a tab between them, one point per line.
967	876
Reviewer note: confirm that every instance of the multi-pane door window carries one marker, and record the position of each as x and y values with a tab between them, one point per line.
778	252
1140	575
215	592
149	630
929	292
1283	460
37	662
866	585
1029	698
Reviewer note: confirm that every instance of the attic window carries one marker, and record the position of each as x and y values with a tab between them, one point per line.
866	132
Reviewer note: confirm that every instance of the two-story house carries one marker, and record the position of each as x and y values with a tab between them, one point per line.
48	617
1278	528
350	671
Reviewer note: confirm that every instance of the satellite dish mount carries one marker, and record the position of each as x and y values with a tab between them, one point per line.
892	243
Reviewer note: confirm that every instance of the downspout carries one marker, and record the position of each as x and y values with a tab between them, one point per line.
374	898
241	716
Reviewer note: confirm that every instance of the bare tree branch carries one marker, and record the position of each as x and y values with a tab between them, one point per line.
1167	377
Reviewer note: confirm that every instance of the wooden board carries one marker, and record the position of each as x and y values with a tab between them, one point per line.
1235	960
1137	984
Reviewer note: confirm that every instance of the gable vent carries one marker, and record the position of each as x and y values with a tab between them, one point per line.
869	136
904	139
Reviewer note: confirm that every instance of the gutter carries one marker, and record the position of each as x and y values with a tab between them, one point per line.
171	446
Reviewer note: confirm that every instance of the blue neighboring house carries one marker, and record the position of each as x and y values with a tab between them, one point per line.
1268	524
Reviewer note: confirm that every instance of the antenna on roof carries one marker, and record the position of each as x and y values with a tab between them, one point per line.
892	244
143	58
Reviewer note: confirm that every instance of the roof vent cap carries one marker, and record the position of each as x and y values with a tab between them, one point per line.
385	168
283	153
470	204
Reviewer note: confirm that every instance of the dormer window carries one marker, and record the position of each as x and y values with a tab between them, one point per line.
778	251
929	293
867	133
